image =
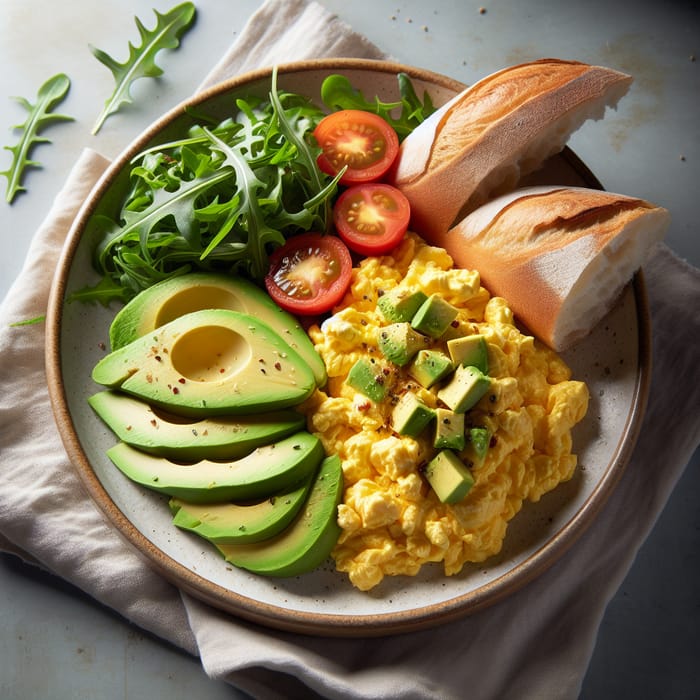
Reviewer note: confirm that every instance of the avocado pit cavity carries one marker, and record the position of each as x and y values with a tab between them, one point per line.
191	298
210	353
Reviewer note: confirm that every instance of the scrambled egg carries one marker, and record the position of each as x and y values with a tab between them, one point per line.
392	521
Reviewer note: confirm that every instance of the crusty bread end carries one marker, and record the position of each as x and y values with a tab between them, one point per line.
560	256
505	126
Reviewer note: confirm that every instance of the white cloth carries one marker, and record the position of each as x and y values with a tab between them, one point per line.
535	644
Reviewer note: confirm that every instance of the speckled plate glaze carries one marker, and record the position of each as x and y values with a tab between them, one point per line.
614	360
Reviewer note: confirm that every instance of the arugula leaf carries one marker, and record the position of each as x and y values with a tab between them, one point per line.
50	94
29	322
227	193
223	197
260	235
337	92
141	62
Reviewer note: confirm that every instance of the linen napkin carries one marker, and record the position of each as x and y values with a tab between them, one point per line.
535	644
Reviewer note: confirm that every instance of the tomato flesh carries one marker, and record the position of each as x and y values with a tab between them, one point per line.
309	274
362	141
371	218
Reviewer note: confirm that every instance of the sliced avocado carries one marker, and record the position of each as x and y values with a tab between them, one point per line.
310	538
180	295
449	430
236	523
400	304
263	472
398	342
210	362
429	367
470	350
477	445
369	378
464	389
140	425
411	416
449	477
434	316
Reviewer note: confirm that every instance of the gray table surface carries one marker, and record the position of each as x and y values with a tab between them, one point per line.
56	643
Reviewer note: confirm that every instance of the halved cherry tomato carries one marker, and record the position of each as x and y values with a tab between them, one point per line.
372	218
309	274
363	141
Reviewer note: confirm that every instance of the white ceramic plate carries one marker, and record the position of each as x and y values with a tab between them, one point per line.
614	361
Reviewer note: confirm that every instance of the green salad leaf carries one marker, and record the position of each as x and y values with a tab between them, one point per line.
405	114
51	93
221	198
229	192
141	62
29	322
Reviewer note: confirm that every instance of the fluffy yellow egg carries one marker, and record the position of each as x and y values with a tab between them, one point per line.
392	522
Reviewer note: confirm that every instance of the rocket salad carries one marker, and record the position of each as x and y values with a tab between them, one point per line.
229	193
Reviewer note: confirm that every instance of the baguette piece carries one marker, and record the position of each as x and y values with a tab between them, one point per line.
481	142
560	256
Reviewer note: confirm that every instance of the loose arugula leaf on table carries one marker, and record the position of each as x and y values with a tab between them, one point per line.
141	62
29	322
221	198
405	114
50	94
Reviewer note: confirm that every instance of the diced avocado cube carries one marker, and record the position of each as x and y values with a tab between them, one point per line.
467	385
429	367
411	416
434	316
400	304
449	477
470	350
449	430
399	343
368	378
477	441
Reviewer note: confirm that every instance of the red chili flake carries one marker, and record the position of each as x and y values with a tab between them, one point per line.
176	390
222	370
101	345
278	366
158	358
181	380
154	422
455	324
493	441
